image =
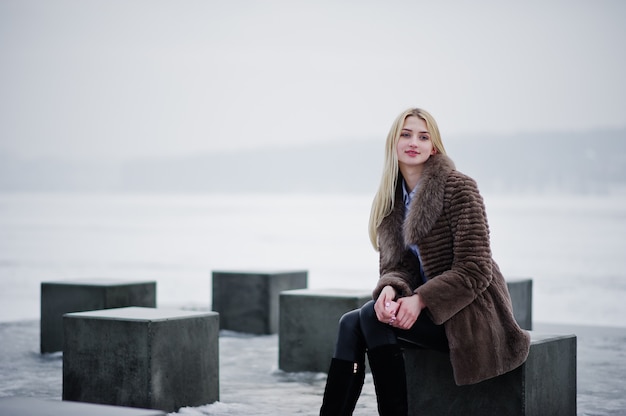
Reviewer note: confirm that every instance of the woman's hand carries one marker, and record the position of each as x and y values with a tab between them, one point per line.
409	309
385	307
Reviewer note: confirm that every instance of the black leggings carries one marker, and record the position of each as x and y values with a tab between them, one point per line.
360	330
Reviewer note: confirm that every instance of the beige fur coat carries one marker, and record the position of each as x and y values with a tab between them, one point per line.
466	291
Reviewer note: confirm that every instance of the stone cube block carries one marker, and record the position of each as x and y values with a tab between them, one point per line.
60	297
141	357
521	291
247	301
309	320
545	385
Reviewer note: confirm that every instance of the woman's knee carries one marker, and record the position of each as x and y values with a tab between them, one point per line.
367	312
350	345
349	322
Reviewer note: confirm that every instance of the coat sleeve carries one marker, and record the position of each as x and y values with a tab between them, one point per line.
396	263
397	276
471	271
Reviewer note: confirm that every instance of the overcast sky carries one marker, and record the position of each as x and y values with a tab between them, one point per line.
123	78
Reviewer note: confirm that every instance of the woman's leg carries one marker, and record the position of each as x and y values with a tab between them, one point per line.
386	362
386	358
423	333
350	344
347	368
375	332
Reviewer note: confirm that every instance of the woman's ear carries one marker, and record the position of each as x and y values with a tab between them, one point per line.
434	151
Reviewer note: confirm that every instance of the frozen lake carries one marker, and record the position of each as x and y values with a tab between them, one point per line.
573	247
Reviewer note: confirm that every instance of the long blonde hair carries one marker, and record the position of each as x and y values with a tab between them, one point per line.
384	199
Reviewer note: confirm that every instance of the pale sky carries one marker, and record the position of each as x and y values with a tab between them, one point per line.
144	78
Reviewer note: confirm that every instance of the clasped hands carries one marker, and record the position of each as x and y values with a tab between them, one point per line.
401	313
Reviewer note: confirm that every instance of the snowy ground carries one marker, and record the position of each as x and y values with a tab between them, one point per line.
251	384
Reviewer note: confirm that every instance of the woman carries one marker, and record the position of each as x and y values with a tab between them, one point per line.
439	286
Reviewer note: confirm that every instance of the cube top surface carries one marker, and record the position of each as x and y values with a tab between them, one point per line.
136	313
98	281
30	406
516	279
538	337
344	293
257	272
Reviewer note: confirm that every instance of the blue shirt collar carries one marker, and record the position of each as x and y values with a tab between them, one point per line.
407	196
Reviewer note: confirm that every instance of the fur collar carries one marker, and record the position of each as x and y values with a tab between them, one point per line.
426	206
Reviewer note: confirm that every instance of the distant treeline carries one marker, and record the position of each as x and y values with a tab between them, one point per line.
583	162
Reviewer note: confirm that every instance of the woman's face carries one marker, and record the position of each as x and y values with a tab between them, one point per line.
414	146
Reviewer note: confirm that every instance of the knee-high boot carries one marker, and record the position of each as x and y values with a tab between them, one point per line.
343	387
387	365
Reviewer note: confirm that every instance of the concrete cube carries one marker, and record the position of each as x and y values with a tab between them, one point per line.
543	386
58	298
521	291
31	406
141	357
248	301
308	325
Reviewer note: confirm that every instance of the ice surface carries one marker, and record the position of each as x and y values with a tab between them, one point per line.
251	384
572	246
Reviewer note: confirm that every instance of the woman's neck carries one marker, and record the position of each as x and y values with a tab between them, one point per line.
411	176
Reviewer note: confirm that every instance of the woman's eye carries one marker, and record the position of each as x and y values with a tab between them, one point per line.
424	137
405	134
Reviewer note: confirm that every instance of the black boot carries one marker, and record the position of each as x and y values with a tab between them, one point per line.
387	365
343	387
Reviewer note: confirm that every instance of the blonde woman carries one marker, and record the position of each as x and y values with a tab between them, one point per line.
439	286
